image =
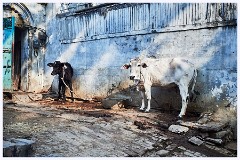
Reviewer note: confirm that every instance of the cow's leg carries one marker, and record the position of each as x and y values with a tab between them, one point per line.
59	88
63	92
71	90
143	100
184	94
149	96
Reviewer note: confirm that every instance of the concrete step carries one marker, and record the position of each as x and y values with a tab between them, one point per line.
17	148
119	101
19	96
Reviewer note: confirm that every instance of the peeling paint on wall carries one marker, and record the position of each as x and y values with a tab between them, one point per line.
225	88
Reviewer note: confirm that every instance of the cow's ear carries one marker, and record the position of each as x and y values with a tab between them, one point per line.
125	66
50	64
144	65
65	66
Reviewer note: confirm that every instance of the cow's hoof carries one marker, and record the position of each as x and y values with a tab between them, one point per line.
146	111
179	117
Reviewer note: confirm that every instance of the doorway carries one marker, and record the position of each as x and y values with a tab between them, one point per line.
17	54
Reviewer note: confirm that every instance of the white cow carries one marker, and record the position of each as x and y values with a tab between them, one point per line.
150	72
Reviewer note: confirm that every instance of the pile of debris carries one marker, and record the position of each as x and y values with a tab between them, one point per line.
213	130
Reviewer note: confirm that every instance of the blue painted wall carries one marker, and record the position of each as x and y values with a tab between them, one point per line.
97	50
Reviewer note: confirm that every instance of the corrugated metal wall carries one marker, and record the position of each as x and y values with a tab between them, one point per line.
130	19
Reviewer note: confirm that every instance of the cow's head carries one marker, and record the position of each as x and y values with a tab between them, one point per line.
57	67
135	67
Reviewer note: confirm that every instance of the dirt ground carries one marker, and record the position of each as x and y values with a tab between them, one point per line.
85	129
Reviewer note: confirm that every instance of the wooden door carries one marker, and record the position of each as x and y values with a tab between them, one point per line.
8	50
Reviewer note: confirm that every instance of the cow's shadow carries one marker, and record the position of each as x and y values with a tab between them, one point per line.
165	99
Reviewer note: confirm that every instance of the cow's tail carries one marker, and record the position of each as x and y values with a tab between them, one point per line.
194	79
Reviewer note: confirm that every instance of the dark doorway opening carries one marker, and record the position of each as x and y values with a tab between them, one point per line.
17	54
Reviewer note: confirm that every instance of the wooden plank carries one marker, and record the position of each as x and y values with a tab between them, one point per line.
135	18
173	15
159	15
125	18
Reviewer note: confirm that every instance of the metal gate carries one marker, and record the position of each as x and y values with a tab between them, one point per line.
8	50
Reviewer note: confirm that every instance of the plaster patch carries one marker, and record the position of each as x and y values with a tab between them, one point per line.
51	39
216	92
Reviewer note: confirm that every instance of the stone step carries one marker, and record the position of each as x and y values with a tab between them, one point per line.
115	102
17	148
17	96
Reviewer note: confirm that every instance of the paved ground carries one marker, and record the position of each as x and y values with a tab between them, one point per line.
85	129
